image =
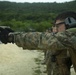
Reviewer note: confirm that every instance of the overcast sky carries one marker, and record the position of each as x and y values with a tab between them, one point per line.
37	0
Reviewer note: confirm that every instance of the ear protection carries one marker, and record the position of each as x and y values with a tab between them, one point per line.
70	22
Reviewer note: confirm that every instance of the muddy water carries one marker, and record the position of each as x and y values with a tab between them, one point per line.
16	61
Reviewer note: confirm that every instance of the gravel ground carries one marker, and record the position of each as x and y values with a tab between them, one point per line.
16	61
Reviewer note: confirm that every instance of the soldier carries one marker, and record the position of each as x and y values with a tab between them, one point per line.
61	44
64	21
62	58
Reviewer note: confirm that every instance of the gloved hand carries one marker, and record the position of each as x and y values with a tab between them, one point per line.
11	37
4	31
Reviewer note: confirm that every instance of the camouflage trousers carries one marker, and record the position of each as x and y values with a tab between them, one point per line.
59	64
64	65
59	67
52	69
52	66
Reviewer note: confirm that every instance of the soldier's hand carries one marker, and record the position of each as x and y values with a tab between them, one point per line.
11	37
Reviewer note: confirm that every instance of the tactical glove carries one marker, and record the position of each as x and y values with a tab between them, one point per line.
11	37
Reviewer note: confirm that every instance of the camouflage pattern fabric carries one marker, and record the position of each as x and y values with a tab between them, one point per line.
56	43
37	40
52	66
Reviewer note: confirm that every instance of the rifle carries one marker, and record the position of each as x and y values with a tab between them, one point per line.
4	31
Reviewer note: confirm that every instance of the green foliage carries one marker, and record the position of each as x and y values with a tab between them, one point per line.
38	16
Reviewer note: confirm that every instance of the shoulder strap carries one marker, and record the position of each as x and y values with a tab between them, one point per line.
71	30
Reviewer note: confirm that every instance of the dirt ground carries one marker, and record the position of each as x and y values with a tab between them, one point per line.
16	61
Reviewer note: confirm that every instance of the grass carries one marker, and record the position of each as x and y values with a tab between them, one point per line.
37	72
37	60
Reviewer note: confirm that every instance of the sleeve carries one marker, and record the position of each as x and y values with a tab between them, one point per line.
68	39
38	40
28	40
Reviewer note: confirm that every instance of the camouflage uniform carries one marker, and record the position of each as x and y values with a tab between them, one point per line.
52	66
62	41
